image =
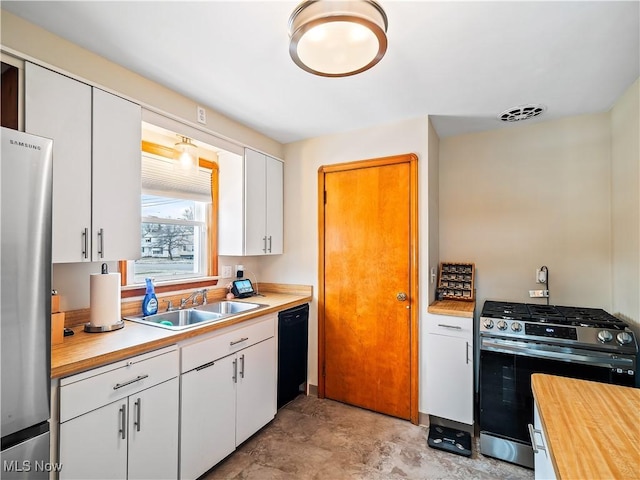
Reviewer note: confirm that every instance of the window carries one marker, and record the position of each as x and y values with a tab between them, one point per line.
178	232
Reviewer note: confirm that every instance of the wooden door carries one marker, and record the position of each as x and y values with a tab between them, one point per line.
368	285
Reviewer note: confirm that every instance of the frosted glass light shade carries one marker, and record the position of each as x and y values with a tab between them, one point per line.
337	38
187	155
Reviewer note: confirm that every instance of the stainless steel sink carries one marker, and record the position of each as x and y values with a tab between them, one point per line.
228	307
196	316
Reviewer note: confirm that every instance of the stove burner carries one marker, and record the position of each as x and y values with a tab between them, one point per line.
555	314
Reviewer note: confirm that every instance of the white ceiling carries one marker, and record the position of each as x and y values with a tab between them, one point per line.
461	62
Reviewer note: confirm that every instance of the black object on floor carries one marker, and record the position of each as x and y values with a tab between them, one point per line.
450	440
293	330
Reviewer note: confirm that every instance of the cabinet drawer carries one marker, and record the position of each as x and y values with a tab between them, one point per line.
450	325
90	390
227	342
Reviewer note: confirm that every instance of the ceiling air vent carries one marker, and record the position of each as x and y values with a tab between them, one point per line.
522	112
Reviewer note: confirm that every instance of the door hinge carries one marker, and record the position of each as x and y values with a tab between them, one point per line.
325	197
324	369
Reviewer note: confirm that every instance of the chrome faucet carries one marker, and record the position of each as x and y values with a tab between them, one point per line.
170	306
194	298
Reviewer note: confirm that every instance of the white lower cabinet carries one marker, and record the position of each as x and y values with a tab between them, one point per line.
449	368
208	423
228	392
543	466
120	421
256	388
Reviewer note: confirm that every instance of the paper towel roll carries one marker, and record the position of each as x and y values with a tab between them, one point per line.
104	292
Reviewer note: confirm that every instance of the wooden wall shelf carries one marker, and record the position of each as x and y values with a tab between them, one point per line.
457	281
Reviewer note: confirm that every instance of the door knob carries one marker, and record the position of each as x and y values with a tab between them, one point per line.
401	297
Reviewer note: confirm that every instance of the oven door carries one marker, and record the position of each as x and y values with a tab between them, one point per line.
506	400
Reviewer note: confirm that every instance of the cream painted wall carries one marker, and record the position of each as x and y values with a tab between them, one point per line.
299	263
515	199
625	163
31	42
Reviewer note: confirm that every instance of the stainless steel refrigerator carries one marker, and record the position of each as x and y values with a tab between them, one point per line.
25	307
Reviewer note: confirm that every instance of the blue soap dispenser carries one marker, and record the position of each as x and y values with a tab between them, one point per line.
150	302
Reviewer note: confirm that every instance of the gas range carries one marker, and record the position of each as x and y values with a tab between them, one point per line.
591	328
519	339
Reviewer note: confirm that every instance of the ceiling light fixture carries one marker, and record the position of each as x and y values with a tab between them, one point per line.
337	38
186	154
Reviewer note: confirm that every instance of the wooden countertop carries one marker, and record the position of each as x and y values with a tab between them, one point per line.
83	351
593	429
454	308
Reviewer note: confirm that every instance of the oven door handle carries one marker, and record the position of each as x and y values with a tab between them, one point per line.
584	357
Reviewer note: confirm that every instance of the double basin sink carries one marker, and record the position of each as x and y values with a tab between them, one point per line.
196	316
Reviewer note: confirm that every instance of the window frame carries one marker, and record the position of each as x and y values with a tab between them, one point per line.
212	237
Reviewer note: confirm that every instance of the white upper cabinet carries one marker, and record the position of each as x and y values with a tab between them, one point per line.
96	166
59	108
251	205
116	183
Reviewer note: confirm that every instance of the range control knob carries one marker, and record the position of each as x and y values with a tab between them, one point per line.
605	336
502	325
516	326
488	323
624	338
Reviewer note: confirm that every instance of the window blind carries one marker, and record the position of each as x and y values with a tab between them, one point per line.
163	177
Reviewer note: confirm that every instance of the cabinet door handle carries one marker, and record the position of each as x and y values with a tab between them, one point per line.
137	413
455	327
235	371
137	379
101	243
242	366
206	365
467	352
532	434
269	243
123	421
85	243
243	339
264	241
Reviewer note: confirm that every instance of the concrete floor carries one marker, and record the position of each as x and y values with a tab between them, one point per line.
319	439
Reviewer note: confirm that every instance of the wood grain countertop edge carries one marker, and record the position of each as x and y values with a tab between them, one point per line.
592	429
453	308
84	351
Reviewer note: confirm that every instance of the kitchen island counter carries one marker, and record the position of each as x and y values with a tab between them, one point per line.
592	429
83	351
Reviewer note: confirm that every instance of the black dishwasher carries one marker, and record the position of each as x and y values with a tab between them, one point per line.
293	331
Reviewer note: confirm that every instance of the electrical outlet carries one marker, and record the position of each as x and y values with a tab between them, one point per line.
202	115
226	271
538	293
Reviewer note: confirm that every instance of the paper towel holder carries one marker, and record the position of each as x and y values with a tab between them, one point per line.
103	328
